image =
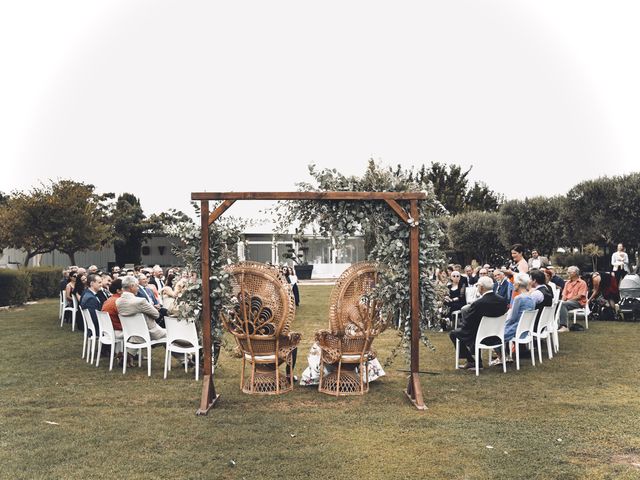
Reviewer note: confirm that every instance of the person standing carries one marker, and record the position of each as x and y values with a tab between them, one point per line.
620	263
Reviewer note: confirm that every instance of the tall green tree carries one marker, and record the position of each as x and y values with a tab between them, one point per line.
86	225
481	197
476	235
449	184
533	222
63	215
130	229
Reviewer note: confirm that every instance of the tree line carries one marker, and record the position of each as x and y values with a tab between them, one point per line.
72	217
594	215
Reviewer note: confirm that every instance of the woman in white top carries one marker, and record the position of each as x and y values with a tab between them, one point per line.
620	263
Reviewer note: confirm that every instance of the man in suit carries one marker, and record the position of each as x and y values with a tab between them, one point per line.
488	305
156	278
89	300
541	293
502	287
536	261
144	291
104	292
130	304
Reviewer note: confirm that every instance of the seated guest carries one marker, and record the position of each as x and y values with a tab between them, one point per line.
110	305
555	279
92	269
81	284
65	280
540	292
144	291
502	287
157	276
70	288
522	302
488	305
89	300
130	304
472	277
455	300
536	261
574	295
548	274
104	292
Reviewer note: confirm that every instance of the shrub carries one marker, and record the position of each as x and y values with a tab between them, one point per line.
15	287
580	260
45	281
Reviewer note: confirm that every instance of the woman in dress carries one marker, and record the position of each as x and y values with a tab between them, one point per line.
522	302
518	263
455	300
70	288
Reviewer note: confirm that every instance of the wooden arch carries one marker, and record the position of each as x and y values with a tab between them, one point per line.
413	391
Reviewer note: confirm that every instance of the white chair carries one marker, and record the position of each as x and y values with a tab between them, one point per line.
108	336
136	326
524	335
556	295
582	311
89	327
73	308
470	293
543	331
61	307
181	332
490	327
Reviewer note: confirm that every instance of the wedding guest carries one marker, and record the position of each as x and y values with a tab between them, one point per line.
110	305
574	296
536	261
455	298
129	304
104	292
559	282
488	305
89	300
502	287
518	263
521	303
157	278
620	262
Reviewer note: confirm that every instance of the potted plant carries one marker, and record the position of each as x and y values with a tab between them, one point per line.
297	252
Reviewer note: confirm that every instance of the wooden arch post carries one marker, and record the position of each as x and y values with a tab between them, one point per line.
209	397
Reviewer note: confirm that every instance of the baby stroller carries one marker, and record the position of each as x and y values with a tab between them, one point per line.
630	296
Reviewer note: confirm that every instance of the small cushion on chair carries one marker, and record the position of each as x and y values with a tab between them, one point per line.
351	358
261	358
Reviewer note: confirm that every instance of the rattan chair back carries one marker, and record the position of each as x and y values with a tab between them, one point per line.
264	305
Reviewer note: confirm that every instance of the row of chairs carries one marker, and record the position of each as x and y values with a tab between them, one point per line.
526	334
182	338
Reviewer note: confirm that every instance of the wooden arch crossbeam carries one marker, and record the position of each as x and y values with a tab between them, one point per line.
414	392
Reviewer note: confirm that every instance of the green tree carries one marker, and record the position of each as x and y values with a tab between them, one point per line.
130	228
533	222
481	197
86	224
449	184
63	215
476	235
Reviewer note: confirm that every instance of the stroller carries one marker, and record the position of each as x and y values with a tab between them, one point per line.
630	296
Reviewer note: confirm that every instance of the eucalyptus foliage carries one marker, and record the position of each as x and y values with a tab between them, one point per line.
224	235
386	235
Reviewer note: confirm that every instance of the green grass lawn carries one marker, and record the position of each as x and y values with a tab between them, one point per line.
576	416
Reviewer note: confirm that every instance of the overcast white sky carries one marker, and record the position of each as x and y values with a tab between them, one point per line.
162	98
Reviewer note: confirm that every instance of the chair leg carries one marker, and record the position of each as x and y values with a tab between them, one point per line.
166	361
549	347
504	360
113	347
517	345
321	373
478	358
533	355
124	358
586	320
148	359
457	354
338	377
99	350
73	320
84	343
539	349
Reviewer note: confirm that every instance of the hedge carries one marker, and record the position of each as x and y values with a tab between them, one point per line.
15	287
45	281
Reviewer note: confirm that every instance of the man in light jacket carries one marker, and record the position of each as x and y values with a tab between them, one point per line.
130	304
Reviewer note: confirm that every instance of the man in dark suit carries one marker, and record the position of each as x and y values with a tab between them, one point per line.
144	291
541	293
502	287
89	300
104	292
488	305
156	278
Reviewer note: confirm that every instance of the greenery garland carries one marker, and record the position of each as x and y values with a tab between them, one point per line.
386	236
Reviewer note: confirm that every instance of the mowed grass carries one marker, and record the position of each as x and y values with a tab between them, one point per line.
576	416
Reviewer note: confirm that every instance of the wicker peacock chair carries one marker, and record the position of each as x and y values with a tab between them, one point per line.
260	321
355	321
